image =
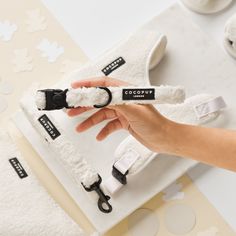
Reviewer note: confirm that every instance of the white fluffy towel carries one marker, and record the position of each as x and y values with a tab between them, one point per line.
26	209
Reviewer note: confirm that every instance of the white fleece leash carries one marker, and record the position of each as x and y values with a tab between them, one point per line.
51	99
73	161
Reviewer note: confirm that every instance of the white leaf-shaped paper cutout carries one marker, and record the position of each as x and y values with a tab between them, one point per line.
7	30
213	231
35	21
50	50
3	104
69	65
6	87
22	61
173	192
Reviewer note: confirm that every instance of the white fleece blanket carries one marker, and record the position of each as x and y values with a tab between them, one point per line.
25	206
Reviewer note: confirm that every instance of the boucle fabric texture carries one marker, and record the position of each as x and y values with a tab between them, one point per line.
54	136
25	206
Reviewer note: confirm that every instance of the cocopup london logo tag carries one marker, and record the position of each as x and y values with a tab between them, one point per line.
138	94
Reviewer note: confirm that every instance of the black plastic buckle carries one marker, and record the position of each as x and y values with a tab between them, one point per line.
55	99
103	203
119	176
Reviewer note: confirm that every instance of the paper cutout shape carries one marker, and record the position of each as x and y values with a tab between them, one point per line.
213	231
143	222
6	87
95	234
7	30
69	65
22	61
180	219
36	21
173	192
50	50
3	104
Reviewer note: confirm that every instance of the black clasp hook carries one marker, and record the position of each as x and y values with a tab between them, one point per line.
103	203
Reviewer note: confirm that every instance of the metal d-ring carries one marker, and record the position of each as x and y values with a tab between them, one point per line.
108	100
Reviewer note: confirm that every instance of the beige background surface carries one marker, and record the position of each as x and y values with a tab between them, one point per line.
48	73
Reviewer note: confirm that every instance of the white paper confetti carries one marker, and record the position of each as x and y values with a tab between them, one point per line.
95	234
3	104
173	192
50	50
6	87
143	222
36	21
22	61
7	30
180	219
69	65
213	231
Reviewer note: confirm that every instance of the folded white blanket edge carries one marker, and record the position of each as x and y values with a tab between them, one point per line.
25	206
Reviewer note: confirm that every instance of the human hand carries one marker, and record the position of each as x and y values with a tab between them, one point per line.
143	122
158	133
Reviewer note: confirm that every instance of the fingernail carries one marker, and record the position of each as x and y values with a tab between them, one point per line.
78	129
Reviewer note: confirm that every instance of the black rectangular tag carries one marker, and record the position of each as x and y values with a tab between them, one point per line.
138	94
18	167
49	126
113	66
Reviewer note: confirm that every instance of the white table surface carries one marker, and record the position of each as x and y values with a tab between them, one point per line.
97	25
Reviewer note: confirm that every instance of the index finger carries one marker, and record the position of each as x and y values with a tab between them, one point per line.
98	82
